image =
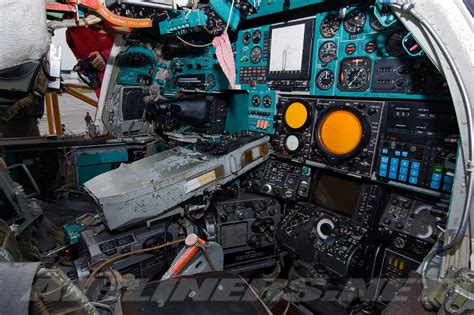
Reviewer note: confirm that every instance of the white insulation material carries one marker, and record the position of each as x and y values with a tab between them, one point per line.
24	33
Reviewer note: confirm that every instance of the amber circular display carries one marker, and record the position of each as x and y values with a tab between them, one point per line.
340	132
296	115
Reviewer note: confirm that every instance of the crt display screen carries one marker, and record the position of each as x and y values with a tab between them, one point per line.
290	51
336	194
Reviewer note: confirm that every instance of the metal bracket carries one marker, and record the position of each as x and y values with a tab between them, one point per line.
470	166
28	174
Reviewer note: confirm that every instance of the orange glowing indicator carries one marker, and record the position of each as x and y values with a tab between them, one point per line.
340	132
296	115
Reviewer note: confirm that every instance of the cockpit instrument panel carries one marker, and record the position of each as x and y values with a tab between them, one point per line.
329	55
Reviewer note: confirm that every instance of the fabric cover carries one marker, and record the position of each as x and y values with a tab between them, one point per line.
17	279
24	32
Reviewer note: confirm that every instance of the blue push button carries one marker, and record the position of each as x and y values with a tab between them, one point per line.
414	172
392	175
402	177
413	180
405	154
436	177
384	159
434	185
403	170
393	168
398	153
404	163
448	179
385	151
394	161
383	173
415	165
384	166
447	187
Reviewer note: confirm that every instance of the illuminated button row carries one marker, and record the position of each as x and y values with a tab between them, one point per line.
437	177
399	169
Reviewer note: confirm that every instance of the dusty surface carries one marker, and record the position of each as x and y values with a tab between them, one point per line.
72	112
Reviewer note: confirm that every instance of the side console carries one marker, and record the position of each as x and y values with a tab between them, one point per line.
419	145
339	244
411	225
107	245
280	179
245	228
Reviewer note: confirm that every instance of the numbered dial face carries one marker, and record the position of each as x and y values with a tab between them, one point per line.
256	54
327	52
354	74
354	22
246	38
325	79
394	44
329	26
256	100
256	36
267	101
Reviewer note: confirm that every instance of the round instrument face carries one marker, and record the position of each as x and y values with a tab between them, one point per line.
340	132
394	44
354	74
370	47
246	38
292	143
327	52
256	36
325	79
354	22
256	54
255	100
329	26
296	115
350	49
267	101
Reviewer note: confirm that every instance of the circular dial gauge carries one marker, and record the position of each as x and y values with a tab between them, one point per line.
256	54
292	143
267	101
370	47
255	100
375	24
246	38
329	26
296	115
354	21
327	52
256	36
354	74
350	49
394	44
325	79
340	132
